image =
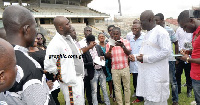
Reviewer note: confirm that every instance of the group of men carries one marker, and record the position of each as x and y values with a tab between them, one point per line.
149	55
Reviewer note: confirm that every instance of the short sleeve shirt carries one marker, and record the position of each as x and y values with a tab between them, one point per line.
119	58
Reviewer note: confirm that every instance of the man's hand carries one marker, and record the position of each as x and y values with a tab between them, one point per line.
121	44
184	57
102	58
50	84
110	48
182	51
131	58
92	44
140	58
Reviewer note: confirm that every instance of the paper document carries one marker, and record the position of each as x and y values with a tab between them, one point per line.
56	85
98	61
177	55
111	42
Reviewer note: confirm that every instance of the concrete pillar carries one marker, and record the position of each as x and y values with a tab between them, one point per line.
70	20
91	21
52	1
82	20
38	22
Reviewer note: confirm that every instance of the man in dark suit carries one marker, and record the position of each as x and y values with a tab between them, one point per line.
95	71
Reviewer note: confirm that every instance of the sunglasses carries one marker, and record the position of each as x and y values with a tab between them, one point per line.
39	38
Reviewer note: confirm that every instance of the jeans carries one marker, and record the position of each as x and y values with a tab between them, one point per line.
173	82
196	89
99	74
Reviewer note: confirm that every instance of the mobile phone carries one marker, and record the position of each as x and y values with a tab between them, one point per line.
119	41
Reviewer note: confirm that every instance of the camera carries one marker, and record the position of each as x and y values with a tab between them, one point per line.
194	13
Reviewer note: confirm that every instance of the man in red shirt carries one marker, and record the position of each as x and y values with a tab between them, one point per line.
192	25
120	69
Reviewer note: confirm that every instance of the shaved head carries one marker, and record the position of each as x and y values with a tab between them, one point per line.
7	65
2	33
183	16
58	21
62	25
147	20
19	25
73	33
147	14
15	17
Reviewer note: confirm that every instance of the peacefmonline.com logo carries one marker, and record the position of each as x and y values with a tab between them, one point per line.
65	56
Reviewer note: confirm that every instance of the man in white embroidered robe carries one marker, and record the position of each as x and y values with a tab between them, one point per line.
153	71
71	64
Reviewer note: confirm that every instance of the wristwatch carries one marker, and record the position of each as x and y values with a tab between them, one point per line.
187	59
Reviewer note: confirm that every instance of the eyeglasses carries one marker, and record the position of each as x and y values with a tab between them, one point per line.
109	30
39	38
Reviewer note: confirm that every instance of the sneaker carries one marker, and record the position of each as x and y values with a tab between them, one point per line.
193	103
134	95
136	101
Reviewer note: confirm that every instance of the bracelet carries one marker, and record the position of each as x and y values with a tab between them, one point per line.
187	59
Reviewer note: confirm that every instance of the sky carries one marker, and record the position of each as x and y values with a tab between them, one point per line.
170	8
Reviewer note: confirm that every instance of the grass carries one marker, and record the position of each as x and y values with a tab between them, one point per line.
183	99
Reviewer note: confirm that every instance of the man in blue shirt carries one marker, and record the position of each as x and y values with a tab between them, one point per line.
135	42
159	18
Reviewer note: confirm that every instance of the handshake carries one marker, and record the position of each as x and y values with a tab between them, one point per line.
136	57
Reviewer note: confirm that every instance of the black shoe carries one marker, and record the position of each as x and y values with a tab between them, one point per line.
179	89
101	102
179	92
175	103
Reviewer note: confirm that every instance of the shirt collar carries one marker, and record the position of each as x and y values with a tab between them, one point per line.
141	37
21	48
196	31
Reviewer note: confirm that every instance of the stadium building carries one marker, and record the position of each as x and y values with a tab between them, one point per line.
44	12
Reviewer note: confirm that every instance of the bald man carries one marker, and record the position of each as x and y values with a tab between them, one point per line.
2	33
8	69
30	88
153	71
63	58
73	33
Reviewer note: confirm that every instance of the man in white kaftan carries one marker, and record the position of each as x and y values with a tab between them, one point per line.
63	59
153	71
